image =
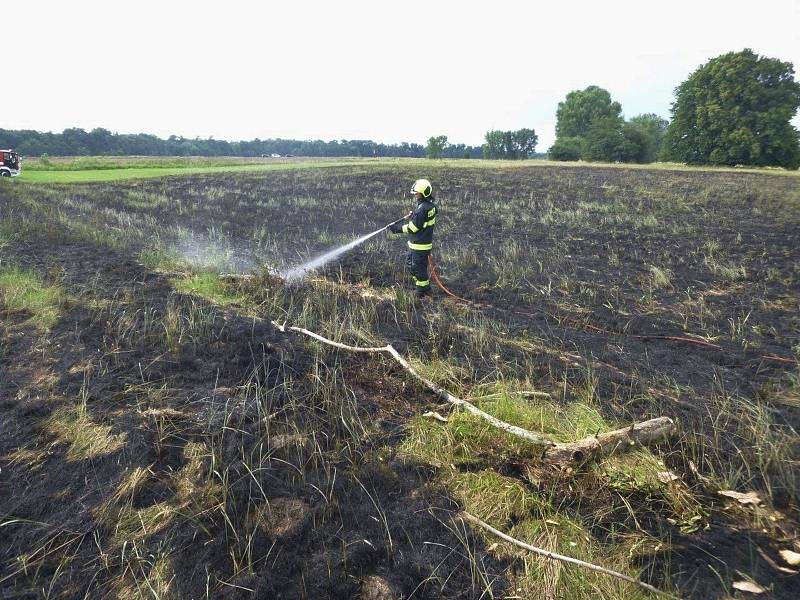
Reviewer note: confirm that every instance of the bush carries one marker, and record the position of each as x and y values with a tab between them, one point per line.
566	148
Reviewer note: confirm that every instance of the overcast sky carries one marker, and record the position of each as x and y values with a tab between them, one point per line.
390	72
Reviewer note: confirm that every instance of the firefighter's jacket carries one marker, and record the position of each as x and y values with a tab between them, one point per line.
420	226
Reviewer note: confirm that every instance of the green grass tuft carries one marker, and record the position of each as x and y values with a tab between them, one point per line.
84	438
23	291
210	287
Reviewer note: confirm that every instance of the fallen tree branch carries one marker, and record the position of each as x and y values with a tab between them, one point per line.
560	454
443	393
523	394
325	340
439	391
568	559
619	440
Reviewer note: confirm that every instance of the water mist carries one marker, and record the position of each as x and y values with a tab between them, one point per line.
315	263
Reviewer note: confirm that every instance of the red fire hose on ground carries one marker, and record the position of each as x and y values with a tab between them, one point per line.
670	338
440	285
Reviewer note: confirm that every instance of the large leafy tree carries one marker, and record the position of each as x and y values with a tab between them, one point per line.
581	108
589	126
649	128
606	141
436	146
736	109
494	146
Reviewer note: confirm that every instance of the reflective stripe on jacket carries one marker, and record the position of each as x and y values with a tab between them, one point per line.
420	226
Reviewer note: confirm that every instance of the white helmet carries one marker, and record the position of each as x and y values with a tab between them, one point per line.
422	186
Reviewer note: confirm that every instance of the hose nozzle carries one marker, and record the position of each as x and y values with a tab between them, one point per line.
398	220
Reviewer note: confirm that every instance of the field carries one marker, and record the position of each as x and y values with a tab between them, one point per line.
162	438
117	168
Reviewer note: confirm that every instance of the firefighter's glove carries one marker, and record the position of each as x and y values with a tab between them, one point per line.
396	228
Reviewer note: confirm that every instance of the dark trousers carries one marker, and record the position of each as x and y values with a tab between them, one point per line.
417	264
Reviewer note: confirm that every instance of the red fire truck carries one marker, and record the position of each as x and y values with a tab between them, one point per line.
10	164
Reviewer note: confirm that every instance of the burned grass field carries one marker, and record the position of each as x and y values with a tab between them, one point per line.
162	438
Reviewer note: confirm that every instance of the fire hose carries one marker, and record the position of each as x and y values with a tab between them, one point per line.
588	326
434	273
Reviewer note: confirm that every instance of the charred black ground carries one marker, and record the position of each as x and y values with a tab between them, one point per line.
310	535
163	441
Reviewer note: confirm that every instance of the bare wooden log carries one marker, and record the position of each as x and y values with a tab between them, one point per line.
611	442
562	558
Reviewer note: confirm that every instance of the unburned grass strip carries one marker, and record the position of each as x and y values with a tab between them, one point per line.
24	291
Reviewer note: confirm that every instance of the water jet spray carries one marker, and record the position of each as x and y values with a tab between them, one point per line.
315	263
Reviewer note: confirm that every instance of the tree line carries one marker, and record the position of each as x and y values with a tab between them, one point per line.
508	145
102	142
734	110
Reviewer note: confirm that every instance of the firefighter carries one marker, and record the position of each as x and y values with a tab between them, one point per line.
420	230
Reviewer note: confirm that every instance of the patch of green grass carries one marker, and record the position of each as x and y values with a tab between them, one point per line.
510	505
501	500
90	175
635	471
563	424
210	287
497	498
159	259
729	272
89	169
83	163
642	473
465	437
133	524
541	578
23	291
134	172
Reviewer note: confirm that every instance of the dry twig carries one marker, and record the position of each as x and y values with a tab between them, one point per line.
561	557
439	391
